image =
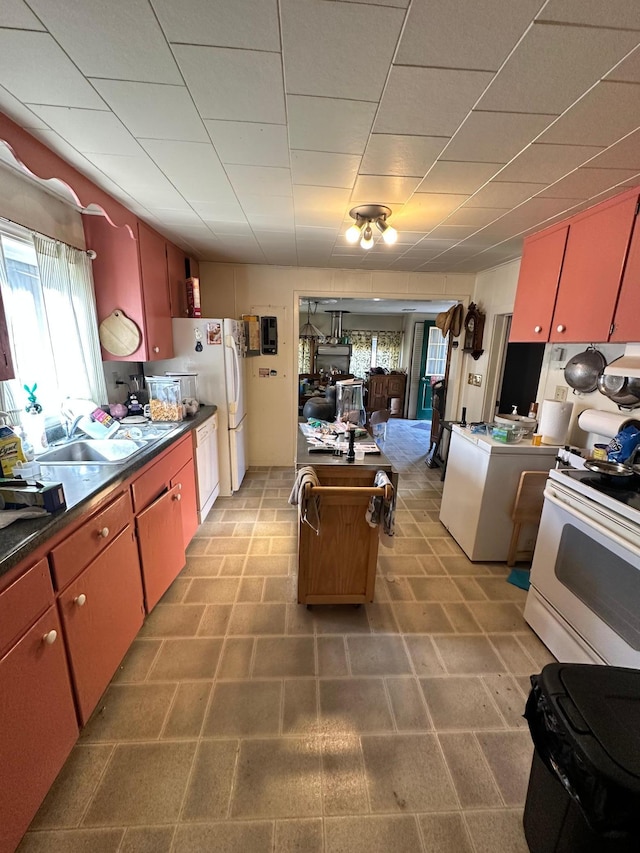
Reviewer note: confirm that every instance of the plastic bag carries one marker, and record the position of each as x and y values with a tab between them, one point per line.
623	445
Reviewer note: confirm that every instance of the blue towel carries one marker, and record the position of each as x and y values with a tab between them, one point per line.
519	577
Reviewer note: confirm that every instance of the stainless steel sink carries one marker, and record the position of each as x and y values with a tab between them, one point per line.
92	452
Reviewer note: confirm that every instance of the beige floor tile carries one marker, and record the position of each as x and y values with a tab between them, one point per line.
372	834
283	545
202	567
509	699
516	659
422	618
444	547
492	831
211	780
143	784
280	588
381	618
215	620
197	547
378	655
188	709
299	836
497	589
300	707
407	546
76	841
431	565
340	619
332	658
461	618
173	620
445	833
509	755
249	515
460	703
147	839
404	528
344	789
278	778
407	704
469	588
275	528
267	564
474	782
539	653
228	545
212	591
353	705
257	619
232	565
250	589
137	662
434	589
468	655
460	565
236	658
244	709
186	660
524	683
397	564
300	620
225	837
130	712
396	587
74	786
498	616
424	656
176	592
279	657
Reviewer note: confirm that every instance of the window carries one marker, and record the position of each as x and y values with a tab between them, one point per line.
49	303
436	353
374	349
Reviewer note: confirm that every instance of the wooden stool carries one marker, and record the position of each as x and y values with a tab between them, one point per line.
527	507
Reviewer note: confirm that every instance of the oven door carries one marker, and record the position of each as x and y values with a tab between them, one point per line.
584	601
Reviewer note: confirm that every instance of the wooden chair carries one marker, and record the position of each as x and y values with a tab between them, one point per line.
527	507
379	419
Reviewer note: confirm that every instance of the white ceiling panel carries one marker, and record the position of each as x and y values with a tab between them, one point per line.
225	208
37	71
223	228
553	66
491	29
623	155
497	194
242	23
386	189
275	213
546	163
124	43
622	13
306	234
605	114
321	168
260	180
17	111
405	156
454	177
153	110
90	131
445	97
142	179
327	124
192	167
426	210
322	206
585	183
250	143
475	217
15	14
240	85
354	38
627	71
487	137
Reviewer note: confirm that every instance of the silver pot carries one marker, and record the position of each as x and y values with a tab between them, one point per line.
581	372
624	391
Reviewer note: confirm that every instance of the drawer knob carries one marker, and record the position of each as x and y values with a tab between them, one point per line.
156	349
562	328
177	497
80	600
537	330
50	637
104	532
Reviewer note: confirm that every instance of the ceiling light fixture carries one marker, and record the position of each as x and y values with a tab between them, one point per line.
365	216
309	331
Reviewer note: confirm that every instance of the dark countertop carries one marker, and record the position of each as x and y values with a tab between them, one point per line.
371	461
84	487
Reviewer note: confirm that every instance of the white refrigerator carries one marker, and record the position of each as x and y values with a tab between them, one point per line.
214	349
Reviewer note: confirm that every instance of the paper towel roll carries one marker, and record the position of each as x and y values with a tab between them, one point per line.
554	421
606	424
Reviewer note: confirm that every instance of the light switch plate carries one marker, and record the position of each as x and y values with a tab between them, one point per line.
475	379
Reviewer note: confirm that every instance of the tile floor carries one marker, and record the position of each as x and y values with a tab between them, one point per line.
241	722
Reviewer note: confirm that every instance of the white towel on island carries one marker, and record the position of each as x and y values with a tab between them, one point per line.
381	509
308	508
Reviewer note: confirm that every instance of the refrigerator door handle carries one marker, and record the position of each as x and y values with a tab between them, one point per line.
233	404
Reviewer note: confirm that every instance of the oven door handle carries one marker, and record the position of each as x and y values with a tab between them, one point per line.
582	512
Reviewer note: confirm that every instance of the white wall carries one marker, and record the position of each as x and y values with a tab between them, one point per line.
231	290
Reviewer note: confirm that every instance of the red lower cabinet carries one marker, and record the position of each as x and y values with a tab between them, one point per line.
101	613
161	544
38	725
186	480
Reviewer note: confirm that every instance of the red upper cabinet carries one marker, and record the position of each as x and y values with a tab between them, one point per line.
537	286
626	322
592	271
176	271
131	275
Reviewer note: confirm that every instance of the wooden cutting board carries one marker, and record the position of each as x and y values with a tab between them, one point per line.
119	335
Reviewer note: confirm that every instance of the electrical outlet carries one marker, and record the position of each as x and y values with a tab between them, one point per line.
475	379
561	393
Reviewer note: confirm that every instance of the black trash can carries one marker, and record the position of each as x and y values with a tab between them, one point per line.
584	787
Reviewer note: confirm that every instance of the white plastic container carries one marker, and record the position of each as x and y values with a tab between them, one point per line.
165	399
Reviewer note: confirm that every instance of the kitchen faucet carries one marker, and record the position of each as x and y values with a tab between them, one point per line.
71	430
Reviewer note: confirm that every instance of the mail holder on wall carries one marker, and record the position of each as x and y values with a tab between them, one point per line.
473	329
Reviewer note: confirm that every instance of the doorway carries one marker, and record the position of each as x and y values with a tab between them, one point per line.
433	359
520	378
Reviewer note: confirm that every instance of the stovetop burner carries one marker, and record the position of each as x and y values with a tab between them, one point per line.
623	489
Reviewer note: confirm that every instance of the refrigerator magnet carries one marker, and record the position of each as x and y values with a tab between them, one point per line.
214	334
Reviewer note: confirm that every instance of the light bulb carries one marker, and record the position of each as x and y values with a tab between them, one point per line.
352	234
390	235
367	237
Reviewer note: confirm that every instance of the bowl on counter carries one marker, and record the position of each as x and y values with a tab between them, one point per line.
509	433
521	421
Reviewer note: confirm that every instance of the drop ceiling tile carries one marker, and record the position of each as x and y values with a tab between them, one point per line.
321	206
269	213
90	131
405	156
354	38
623	13
140	177
475	217
386	189
242	23
124	43
503	194
623	155
250	143
399	4
17	111
487	137
192	167
322	168
37	71
222	228
253	88
627	71
544	163
585	183
222	209
606	113
154	110
260	180
176	218
445	97
451	232
450	177
16	15
554	65
426	210
491	29
328	124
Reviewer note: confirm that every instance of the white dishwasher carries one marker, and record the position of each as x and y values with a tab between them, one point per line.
480	488
207	469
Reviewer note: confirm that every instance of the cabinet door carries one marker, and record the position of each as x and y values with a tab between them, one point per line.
626	323
591	273
155	286
177	276
38	725
185	480
161	545
102	612
6	361
537	286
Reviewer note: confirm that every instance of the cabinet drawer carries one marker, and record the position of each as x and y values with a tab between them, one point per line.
89	540
158	477
21	603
